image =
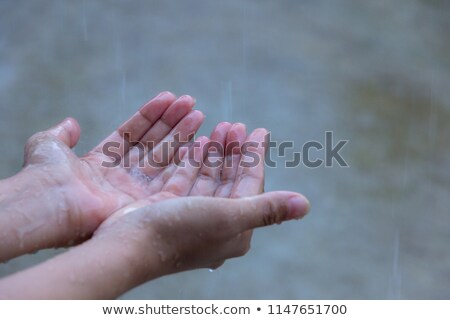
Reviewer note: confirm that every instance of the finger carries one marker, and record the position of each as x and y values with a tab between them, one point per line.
250	175
136	127
66	132
165	174
208	178
174	114
186	173
235	138
162	154
269	208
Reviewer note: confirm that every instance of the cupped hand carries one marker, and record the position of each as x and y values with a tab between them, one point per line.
86	190
184	233
203	214
195	212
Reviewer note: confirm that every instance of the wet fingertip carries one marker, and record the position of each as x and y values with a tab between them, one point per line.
72	129
223	124
198	113
202	139
262	131
239	125
238	131
188	99
165	94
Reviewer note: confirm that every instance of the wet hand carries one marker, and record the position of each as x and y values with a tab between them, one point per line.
185	229
183	233
77	193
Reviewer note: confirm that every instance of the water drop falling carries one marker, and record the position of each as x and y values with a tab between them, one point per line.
123	88
396	278
227	100
84	21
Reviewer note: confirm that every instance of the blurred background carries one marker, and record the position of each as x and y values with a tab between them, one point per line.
376	73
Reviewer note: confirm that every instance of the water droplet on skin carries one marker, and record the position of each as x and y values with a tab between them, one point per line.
162	256
59	218
139	175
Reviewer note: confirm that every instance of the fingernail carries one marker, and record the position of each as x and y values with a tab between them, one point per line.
298	207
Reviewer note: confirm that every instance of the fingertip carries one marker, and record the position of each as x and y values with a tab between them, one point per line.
239	125
198	113
298	207
187	98
71	133
202	139
224	124
166	95
240	131
197	117
235	138
261	131
220	132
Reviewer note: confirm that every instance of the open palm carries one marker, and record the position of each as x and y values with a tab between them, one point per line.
204	170
84	190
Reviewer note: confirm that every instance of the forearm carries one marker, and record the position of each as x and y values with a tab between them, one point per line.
101	268
32	214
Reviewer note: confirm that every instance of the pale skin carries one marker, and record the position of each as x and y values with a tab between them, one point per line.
133	230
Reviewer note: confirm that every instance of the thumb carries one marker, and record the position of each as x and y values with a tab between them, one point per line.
241	214
267	209
66	132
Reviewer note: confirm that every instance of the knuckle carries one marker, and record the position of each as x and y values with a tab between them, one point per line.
270	214
36	138
34	143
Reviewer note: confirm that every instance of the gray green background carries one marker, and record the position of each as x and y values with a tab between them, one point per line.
374	72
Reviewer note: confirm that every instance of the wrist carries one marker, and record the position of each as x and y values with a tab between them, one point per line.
137	245
31	216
